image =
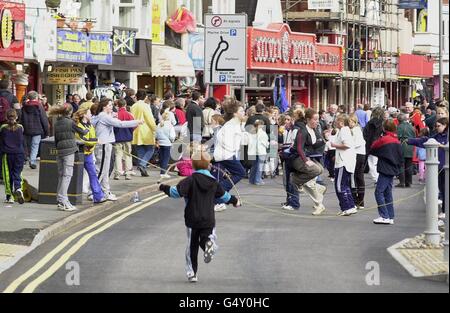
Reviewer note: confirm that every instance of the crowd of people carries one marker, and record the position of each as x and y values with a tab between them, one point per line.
252	142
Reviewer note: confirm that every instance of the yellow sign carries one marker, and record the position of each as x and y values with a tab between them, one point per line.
158	22
6	28
65	76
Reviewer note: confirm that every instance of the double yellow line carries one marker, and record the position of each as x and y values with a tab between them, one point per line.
88	233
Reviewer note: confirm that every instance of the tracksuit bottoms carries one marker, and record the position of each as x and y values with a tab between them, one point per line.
197	237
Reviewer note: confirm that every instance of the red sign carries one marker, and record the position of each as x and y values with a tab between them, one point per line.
415	66
12	29
280	49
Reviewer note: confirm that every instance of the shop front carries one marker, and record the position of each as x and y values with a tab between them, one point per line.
415	73
282	63
12	45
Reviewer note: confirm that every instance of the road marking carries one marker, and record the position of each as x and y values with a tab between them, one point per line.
15	284
66	256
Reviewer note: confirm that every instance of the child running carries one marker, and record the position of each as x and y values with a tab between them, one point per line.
200	191
13	157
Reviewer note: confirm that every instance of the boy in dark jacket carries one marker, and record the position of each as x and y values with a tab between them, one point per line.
200	191
390	156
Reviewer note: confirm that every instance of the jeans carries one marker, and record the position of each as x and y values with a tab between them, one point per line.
292	196
383	195
145	153
164	157
255	176
235	169
33	144
89	166
65	172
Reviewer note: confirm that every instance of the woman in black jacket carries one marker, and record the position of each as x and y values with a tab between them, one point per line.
372	132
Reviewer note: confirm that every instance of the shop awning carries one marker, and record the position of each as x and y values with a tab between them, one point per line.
418	66
168	61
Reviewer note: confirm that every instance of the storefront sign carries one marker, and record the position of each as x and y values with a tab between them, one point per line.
12	31
196	49
100	49
40	36
282	50
412	65
124	41
412	4
378	97
65	76
158	21
72	46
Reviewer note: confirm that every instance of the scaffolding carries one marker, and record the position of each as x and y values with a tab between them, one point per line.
369	33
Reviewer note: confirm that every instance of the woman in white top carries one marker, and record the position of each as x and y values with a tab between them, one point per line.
165	135
257	151
358	183
344	166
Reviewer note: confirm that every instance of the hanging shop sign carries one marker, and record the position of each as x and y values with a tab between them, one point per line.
100	49
65	76
280	49
78	47
412	4
387	65
12	31
124	41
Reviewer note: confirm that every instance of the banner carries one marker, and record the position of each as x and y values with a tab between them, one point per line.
12	31
100	49
158	21
196	49
72	46
323	5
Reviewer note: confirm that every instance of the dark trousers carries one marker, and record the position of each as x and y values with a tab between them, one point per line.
233	167
12	167
164	157
330	156
383	195
343	190
197	237
292	196
358	183
406	172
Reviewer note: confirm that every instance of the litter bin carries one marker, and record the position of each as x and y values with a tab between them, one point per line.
48	174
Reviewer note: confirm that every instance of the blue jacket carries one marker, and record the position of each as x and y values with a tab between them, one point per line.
389	152
441	138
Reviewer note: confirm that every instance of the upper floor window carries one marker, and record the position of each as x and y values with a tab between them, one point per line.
126	13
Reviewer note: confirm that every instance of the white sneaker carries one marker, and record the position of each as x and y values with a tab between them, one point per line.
193	279
165	176
391	221
220	207
287	208
441	223
319	210
10	200
67	207
111	197
209	251
360	208
91	197
131	173
383	221
352	211
19	196
441	216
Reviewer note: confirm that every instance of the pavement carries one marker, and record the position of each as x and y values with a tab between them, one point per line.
24	227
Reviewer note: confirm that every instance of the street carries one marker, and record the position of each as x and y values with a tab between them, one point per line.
262	249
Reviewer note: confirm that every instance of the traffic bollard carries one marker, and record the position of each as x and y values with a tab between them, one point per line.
446	168
432	234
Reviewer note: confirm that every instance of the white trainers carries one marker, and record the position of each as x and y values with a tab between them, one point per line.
66	207
319	210
441	223
90	197
441	216
287	208
165	176
220	207
111	197
352	211
383	221
193	279
10	200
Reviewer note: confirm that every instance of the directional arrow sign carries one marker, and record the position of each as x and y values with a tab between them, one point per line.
226	49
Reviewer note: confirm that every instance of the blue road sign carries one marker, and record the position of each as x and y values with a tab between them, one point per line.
223	78
233	32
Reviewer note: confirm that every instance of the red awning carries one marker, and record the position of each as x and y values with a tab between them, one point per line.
412	65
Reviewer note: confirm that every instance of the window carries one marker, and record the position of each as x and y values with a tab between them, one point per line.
126	13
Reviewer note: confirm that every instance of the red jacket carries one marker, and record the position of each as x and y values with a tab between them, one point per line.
124	115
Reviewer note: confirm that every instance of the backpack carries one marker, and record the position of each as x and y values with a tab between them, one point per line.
5	105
